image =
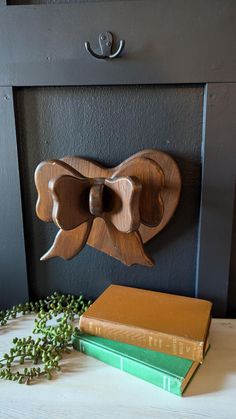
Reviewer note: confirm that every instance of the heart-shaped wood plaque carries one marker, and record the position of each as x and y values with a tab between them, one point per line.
116	210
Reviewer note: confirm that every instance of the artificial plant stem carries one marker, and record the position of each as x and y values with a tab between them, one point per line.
48	349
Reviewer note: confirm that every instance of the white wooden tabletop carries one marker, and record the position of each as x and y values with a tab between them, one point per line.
87	388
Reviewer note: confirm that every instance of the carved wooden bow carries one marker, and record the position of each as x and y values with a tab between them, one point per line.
77	200
124	199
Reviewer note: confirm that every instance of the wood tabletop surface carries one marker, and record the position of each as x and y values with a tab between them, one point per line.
88	388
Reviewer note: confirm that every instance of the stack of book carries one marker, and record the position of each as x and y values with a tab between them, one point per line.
161	338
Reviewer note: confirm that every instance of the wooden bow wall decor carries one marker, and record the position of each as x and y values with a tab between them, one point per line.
116	210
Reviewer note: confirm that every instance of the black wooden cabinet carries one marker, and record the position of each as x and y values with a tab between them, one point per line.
173	88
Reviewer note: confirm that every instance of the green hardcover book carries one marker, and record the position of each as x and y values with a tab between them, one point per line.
171	373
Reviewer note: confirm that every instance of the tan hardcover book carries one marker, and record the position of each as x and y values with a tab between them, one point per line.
163	322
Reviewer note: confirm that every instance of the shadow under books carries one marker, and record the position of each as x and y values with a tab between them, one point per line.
218	364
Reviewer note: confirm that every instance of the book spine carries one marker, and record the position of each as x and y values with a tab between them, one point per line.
131	366
160	342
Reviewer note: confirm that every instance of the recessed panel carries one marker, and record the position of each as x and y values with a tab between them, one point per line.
109	124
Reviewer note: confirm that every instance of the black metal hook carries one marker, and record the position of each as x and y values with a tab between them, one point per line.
105	42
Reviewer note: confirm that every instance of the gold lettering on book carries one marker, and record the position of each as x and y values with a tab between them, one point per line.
181	348
174	345
90	326
150	338
98	330
187	348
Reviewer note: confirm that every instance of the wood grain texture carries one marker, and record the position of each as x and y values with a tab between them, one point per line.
68	244
127	247
44	172
123	209
170	194
90	388
96	199
134	192
70	201
151	177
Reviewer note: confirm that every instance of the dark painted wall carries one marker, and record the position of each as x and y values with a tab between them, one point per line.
29	2
109	124
54	122
232	281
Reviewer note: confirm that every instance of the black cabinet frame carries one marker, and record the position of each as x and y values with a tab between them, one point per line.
167	42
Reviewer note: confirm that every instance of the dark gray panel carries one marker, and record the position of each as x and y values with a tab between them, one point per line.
109	124
219	151
232	277
29	2
13	277
167	41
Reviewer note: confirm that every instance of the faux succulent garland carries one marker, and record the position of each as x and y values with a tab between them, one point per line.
54	341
